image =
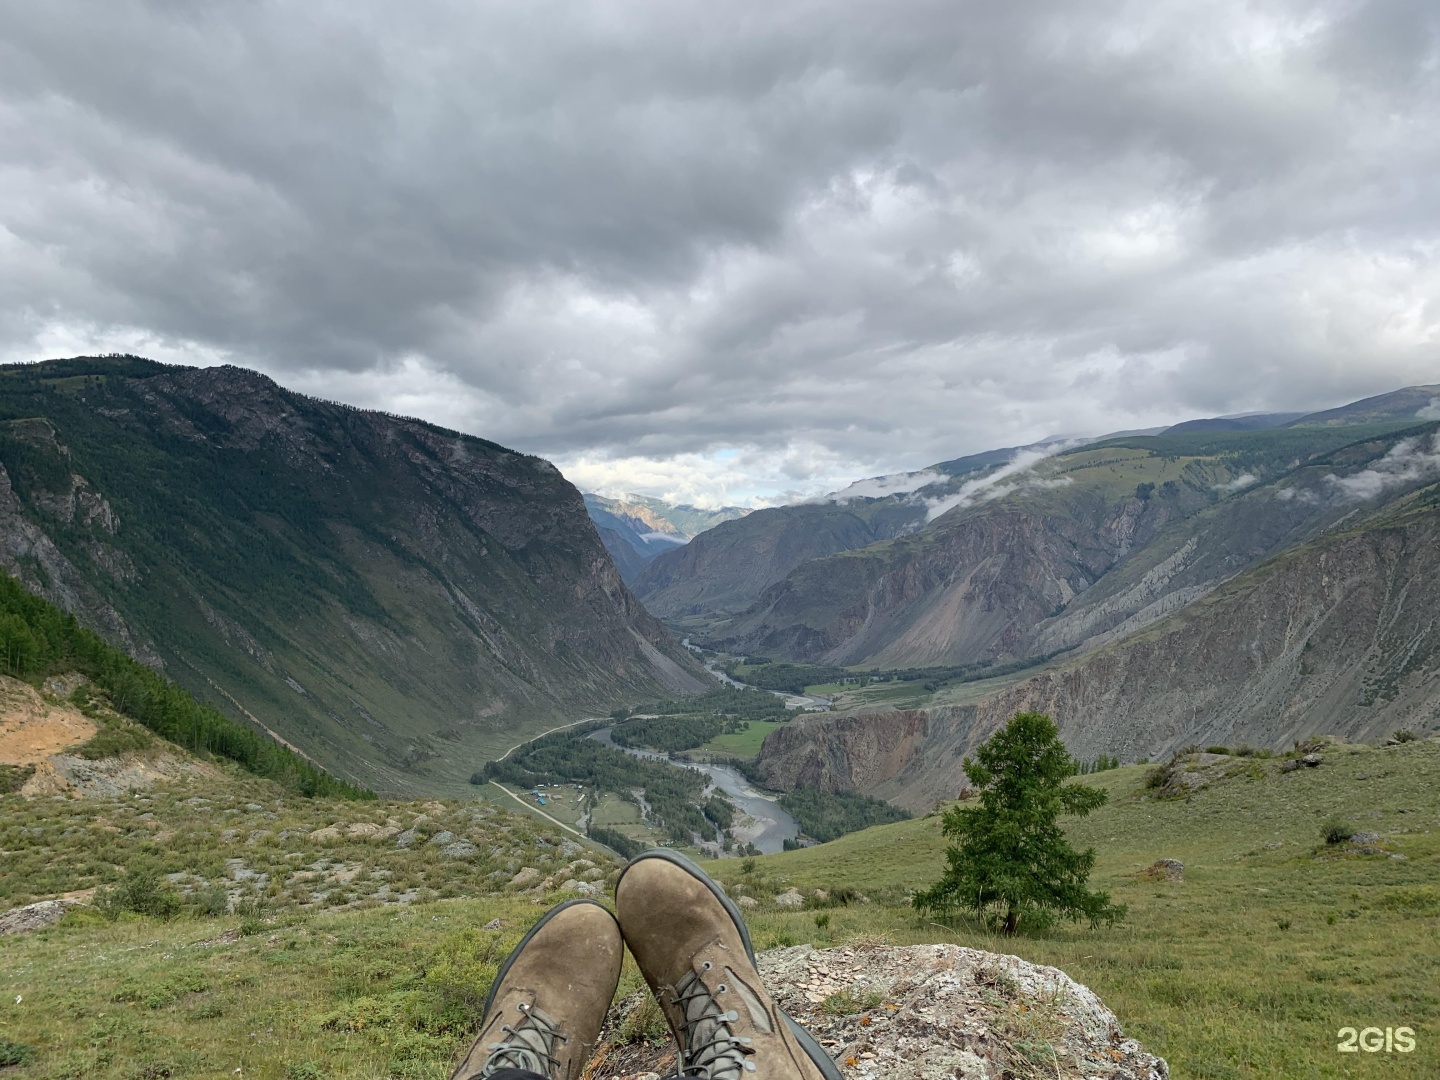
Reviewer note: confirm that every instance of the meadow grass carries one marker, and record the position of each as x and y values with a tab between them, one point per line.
380	993
1248	967
743	744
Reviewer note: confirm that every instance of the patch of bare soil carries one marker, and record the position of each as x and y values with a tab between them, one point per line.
108	778
31	729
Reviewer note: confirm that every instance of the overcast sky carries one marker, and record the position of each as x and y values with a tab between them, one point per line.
734	251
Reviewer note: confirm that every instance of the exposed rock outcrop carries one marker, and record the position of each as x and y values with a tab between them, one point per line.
31	917
926	1012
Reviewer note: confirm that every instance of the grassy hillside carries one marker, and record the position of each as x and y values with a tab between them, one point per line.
236	927
395	599
39	640
1248	967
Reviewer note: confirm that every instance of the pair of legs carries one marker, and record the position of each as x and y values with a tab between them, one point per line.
543	1016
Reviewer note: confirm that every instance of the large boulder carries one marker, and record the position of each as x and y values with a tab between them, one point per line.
37	916
927	1011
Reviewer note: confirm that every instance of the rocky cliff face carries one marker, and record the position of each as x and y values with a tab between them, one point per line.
722	571
399	601
971	591
1339	636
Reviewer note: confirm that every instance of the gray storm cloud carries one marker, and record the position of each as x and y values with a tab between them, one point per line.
738	249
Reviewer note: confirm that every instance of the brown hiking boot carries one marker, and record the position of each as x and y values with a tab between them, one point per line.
549	999
694	951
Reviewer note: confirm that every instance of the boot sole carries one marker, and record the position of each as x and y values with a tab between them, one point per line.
823	1061
520	947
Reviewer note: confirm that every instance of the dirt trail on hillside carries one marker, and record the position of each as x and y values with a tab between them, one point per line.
32	729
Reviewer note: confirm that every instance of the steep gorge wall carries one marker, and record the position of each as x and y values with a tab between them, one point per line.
970	590
398	600
725	568
1341	636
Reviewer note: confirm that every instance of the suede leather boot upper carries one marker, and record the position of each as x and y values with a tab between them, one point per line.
694	954
550	997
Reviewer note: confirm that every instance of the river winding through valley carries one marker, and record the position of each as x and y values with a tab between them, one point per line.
772	826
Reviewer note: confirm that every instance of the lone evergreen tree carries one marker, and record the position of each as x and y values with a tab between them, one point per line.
1011	858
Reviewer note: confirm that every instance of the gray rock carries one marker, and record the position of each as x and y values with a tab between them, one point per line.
938	1014
790	898
22	920
461	849
1365	839
443	837
406	838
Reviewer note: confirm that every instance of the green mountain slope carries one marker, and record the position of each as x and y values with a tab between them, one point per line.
1411	402
1248	966
38	640
398	601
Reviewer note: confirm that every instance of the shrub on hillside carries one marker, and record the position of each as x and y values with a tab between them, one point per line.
141	891
1160	775
13	777
14	1053
1336	832
114	739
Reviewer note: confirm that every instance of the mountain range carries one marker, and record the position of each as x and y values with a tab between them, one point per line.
1254	582
397	601
400	603
997	556
637	528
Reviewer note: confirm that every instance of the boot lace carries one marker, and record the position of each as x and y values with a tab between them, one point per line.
531	1045
712	1050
